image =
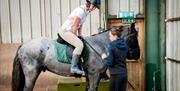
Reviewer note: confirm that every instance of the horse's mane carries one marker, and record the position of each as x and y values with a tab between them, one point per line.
102	31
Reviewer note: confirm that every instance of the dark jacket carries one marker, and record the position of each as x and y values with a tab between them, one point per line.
116	57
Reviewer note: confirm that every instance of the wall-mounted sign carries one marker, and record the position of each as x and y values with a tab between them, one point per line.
127	16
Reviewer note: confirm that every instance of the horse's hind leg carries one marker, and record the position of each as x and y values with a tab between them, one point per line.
30	79
31	73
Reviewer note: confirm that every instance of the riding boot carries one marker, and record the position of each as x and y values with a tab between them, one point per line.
74	65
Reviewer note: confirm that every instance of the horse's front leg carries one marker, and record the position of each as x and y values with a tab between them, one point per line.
87	83
93	82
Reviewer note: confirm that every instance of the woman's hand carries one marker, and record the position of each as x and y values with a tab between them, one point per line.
80	31
103	56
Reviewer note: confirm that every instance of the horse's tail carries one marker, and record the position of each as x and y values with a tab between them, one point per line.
18	78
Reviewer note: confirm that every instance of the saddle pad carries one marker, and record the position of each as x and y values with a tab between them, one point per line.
61	54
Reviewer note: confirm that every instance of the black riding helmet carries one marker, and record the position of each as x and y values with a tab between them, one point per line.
96	3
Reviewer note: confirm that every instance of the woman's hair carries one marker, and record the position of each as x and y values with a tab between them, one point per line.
116	30
88	3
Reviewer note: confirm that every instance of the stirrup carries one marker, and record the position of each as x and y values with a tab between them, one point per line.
77	71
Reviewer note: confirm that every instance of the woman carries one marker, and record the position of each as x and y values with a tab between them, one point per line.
72	28
116	60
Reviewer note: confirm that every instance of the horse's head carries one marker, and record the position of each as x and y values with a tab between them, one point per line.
130	35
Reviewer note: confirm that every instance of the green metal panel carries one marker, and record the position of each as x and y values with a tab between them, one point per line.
106	13
162	45
154	35
151	41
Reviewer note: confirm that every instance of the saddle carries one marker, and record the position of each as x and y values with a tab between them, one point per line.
62	41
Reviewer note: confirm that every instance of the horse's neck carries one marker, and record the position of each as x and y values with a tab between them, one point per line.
98	42
94	47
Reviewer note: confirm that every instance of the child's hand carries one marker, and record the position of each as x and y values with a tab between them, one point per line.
103	56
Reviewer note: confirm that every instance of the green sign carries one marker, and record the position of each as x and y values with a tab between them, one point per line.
127	16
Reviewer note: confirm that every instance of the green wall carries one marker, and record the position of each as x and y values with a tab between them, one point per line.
154	44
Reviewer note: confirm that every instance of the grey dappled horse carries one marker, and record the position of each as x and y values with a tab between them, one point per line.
39	55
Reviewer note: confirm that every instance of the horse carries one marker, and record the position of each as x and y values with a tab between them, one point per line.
38	55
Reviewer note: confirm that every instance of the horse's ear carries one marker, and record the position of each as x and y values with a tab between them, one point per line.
133	29
133	25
